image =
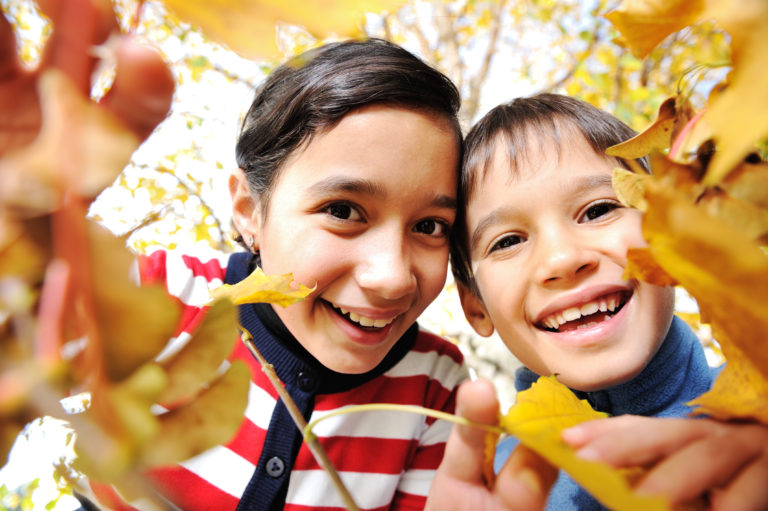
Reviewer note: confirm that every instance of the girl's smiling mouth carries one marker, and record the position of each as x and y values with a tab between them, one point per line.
361	321
585	315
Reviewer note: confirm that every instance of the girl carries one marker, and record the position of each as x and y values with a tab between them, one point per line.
348	163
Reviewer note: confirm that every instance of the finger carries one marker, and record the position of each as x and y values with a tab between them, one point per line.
9	57
693	470
525	480
746	492
78	25
465	450
631	440
143	88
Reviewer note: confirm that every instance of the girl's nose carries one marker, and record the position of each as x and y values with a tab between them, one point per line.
386	270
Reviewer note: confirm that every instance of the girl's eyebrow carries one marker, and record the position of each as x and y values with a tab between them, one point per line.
338	184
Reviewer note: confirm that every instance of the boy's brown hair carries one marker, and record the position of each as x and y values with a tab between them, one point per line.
543	117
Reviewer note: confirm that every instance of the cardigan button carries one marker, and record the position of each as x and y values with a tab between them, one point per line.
275	467
306	381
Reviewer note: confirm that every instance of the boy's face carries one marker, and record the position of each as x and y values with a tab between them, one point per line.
548	244
363	211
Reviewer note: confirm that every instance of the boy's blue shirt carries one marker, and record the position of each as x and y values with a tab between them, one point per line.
677	374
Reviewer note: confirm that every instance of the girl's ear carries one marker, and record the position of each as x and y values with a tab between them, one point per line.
475	311
245	209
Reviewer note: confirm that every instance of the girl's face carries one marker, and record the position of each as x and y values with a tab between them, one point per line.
363	212
548	250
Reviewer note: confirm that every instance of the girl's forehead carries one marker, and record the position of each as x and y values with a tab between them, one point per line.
376	145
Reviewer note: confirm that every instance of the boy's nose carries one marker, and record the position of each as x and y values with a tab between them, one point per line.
563	258
386	270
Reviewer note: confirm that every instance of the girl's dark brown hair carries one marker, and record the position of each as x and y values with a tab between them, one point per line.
313	91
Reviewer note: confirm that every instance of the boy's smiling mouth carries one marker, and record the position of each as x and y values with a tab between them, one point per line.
585	315
361	321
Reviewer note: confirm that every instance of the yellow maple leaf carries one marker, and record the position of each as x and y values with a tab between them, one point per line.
641	265
645	23
737	114
199	360
81	147
629	187
659	135
727	272
740	390
211	419
538	418
248	26
259	287
135	322
133	325
749	182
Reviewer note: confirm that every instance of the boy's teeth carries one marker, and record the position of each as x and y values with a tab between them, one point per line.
571	314
604	304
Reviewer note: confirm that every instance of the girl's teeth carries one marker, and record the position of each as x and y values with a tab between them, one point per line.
589	308
363	321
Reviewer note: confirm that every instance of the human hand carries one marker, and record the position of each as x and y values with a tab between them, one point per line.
143	86
522	484
725	461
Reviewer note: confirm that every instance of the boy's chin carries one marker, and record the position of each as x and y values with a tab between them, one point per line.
598	381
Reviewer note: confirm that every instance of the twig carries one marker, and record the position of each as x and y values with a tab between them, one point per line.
314	446
429	412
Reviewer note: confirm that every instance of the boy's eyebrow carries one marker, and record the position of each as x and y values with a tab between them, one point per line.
582	185
368	187
495	216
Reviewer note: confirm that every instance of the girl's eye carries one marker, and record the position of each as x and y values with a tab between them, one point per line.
432	227
599	209
507	241
343	211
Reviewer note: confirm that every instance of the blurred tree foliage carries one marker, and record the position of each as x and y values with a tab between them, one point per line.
172	193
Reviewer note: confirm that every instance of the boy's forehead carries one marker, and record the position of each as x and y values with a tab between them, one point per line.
528	156
517	156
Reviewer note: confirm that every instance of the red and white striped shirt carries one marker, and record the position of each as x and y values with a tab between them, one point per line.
387	460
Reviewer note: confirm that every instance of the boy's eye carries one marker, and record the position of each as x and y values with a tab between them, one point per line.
507	241
599	209
343	211
432	227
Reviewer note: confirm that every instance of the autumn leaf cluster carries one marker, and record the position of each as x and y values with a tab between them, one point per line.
706	199
74	322
65	282
705	205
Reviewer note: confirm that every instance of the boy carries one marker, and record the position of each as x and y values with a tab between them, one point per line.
539	256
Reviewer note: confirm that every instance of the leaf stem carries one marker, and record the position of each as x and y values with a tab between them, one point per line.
298	418
429	412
